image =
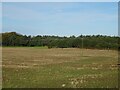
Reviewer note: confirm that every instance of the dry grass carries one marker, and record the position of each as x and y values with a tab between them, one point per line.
66	66
33	57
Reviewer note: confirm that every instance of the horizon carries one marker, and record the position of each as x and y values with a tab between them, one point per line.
58	35
61	19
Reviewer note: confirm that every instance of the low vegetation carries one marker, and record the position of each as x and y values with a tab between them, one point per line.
33	67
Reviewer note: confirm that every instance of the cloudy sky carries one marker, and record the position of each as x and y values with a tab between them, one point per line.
60	18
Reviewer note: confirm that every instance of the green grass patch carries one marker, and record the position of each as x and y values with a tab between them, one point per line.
58	68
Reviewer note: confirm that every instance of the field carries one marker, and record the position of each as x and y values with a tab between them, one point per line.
34	67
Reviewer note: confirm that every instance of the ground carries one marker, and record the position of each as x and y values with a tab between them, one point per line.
34	67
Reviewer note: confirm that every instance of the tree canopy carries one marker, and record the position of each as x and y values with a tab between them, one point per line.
89	41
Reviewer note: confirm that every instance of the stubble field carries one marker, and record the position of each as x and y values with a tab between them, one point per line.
27	67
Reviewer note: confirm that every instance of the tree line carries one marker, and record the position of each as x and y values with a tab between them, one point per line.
82	41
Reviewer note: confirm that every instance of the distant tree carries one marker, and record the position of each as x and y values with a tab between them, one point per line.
94	41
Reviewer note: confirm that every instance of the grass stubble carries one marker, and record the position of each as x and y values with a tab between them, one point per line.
27	67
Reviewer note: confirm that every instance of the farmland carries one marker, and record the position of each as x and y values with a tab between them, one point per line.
35	67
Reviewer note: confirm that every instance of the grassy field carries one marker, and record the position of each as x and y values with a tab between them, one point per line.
27	67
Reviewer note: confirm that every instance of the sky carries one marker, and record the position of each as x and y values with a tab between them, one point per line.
60	18
59	0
